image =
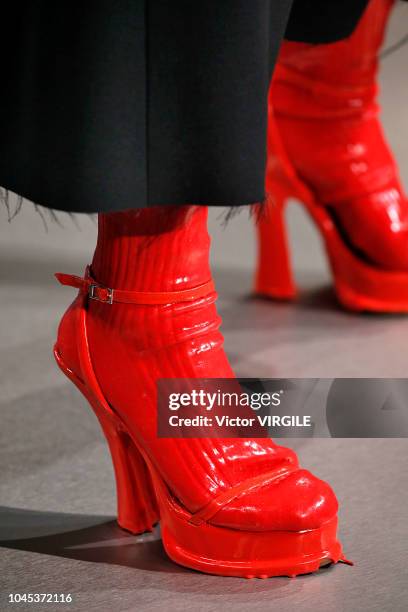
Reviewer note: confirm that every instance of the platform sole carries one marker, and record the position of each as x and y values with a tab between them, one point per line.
226	552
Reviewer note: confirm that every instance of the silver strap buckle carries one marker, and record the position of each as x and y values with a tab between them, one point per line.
94	293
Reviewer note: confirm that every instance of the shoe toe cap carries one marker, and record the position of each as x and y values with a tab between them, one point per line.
296	502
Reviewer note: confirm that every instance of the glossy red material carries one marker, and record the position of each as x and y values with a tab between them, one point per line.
327	149
239	507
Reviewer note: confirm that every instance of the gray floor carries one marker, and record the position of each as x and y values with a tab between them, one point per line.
56	486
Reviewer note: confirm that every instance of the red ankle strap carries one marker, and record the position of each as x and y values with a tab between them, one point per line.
98	292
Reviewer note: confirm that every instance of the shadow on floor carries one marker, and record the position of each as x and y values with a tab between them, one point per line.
97	539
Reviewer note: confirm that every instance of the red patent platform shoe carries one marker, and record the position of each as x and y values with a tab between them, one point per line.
326	148
234	507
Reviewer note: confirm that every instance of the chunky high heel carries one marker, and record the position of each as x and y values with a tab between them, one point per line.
274	275
136	500
326	149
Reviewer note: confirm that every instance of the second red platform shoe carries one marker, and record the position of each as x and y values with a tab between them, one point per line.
326	148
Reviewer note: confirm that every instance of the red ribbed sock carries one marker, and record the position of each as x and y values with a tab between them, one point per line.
162	248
